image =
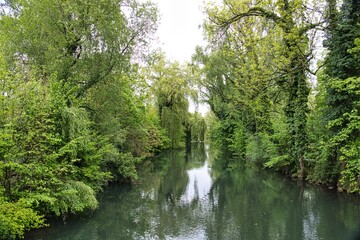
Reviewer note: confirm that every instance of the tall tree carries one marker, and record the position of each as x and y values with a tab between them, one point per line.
285	24
171	91
340	98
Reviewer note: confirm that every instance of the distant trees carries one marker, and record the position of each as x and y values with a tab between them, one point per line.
170	85
171	89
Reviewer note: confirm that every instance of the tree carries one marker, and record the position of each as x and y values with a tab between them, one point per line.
58	143
170	89
283	25
90	40
197	127
339	98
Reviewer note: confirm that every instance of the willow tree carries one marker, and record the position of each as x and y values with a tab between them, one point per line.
170	89
197	127
58	58
78	48
288	26
84	42
238	80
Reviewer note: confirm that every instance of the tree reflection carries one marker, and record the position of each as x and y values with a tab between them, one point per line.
193	195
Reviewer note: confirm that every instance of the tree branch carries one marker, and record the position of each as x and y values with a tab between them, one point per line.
309	26
255	11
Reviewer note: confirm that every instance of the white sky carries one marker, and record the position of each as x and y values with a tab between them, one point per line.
179	31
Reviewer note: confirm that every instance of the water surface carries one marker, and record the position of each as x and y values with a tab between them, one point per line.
187	195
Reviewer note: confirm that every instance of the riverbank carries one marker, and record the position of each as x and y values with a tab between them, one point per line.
187	195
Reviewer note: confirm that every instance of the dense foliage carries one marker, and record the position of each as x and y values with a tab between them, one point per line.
259	75
169	85
83	100
338	101
70	116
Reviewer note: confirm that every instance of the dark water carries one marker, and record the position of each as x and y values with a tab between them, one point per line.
188	196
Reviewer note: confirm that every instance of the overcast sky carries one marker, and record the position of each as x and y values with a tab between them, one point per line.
179	31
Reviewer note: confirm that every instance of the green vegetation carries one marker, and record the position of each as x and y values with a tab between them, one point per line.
259	72
76	110
83	100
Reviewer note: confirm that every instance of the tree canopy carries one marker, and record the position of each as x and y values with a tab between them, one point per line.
259	79
70	117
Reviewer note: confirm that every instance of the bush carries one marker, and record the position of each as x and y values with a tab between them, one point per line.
260	149
16	218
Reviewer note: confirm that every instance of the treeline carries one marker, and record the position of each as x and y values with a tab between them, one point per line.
279	102
82	102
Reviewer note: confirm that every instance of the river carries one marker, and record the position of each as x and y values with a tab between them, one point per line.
187	195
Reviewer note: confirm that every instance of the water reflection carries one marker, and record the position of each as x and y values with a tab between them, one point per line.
188	195
199	184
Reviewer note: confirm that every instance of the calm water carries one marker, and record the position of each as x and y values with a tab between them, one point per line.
186	196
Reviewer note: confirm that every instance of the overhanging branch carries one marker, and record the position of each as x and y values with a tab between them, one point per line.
252	12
